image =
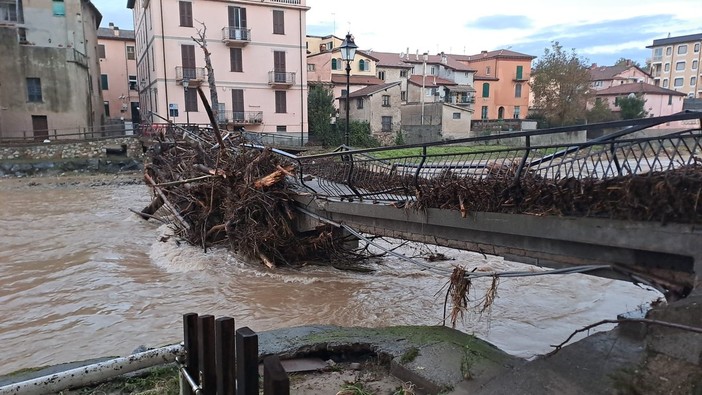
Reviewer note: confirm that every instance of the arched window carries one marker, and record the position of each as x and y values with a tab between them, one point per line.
486	89
335	64
500	113
518	90
362	65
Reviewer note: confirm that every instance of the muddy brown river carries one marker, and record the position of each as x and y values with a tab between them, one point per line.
81	276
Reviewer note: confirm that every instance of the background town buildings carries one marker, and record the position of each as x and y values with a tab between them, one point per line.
118	74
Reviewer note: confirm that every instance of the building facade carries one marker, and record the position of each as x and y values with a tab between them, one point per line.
675	64
658	101
604	77
118	74
257	53
379	105
50	71
501	83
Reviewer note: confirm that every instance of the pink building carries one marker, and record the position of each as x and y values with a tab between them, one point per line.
658	101
258	55
118	76
604	77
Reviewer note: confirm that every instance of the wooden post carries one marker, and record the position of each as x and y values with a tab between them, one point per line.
191	344
246	362
206	354
275	378
224	352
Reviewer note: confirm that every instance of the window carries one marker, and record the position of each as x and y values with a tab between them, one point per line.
386	124
666	67
104	83
336	64
487	70
432	70
34	90
310	67
11	11
133	82
657	54
403	73
484	112
697	47
381	75
694	65
344	92
518	90
281	128
59	8
486	89
362	65
101	51
456	115
679	66
678	82
520	71
669	51
190	100
665	83
130	52
386	100
236	60
106	105
682	49
517	112
693	81
278	22
22	35
186	13
359	103
598	83
281	106
403	96
670	100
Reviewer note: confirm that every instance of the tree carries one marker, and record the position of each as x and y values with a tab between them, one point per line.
600	112
320	104
201	40
632	107
625	62
360	135
561	86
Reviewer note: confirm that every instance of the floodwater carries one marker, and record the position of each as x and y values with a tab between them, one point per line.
81	276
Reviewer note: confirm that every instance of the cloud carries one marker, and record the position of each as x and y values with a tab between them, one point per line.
501	22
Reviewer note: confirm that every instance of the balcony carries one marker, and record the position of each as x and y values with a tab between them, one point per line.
281	79
236	36
293	2
461	101
76	57
194	75
520	78
657	59
241	118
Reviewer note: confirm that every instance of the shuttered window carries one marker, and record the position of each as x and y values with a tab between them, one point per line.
278	22
281	102
186	13
235	58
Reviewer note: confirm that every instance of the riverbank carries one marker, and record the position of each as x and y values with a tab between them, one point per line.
437	360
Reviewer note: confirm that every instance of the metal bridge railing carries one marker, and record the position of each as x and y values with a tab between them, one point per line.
400	173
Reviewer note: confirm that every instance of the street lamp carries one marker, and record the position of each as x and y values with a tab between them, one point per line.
348	52
186	85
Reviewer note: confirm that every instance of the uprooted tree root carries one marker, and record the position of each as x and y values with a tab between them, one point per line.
240	201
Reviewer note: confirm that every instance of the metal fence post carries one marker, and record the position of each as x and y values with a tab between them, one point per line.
191	346
224	352
246	362
206	354
275	378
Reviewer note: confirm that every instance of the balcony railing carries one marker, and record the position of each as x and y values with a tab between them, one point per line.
196	75
281	78
236	36
658	58
241	117
76	57
461	100
520	77
294	2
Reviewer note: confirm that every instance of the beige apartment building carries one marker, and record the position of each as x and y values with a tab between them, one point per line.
258	54
675	64
118	74
50	71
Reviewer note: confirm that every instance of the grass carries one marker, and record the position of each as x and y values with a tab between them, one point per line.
160	380
409	355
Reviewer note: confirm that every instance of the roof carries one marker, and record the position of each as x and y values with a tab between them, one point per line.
445	60
370	90
638	87
499	53
676	40
109	34
604	73
337	51
387	59
430	81
357	79
485	78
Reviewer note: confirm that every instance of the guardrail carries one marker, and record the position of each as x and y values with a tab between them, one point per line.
400	173
68	135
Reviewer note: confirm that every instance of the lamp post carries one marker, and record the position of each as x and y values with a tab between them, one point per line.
348	52
186	85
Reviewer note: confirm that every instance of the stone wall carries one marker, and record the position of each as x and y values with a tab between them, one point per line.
83	149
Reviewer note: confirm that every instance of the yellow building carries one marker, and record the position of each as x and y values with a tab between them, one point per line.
675	64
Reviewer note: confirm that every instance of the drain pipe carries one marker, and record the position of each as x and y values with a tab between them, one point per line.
95	373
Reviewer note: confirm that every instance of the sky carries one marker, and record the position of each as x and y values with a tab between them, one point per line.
600	31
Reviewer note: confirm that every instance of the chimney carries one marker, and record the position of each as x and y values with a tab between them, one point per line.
483	52
407	54
593	66
416	55
628	62
111	25
444	58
